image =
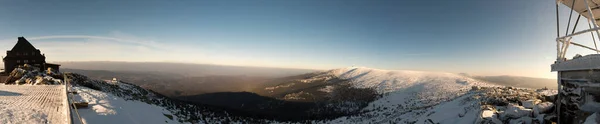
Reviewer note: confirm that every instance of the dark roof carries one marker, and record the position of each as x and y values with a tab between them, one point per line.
23	45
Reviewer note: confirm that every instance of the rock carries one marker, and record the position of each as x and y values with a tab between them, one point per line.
539	119
49	71
592	119
27	74
522	120
550	98
544	107
15	75
530	103
515	111
489	115
475	88
550	118
491	121
39	80
18	82
577	56
29	81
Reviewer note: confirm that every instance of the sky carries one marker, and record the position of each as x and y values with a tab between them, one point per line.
510	37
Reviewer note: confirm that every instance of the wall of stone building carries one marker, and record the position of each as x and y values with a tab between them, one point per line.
592	75
16	58
9	66
574	86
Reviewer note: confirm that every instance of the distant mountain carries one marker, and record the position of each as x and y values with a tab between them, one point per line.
174	85
378	96
184	69
517	81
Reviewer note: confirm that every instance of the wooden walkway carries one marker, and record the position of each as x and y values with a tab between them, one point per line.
49	100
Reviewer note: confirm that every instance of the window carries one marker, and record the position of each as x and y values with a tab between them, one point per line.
26	61
17	54
33	61
18	61
33	53
24	53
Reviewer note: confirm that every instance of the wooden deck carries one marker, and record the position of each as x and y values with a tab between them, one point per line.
50	100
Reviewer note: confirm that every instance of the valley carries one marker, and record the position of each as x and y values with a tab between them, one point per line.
344	95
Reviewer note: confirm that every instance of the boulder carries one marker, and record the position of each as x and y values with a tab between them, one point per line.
550	118
20	81
550	98
522	120
475	88
27	74
39	80
489	115
539	119
15	75
544	107
592	119
491	121
516	111
530	103
29	81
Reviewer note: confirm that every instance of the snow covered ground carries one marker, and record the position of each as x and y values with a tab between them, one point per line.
407	97
106	108
413	96
37	104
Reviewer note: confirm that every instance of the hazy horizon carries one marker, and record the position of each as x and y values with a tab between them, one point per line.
449	36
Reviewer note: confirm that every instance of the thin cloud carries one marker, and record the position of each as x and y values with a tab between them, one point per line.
144	43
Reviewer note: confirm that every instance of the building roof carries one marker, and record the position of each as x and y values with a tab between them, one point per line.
23	45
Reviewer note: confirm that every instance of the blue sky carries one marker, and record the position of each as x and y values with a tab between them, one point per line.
512	37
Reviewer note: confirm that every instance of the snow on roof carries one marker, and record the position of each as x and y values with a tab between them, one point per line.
582	63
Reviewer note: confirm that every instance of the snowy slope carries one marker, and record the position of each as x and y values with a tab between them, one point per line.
107	108
408	96
128	103
405	97
386	81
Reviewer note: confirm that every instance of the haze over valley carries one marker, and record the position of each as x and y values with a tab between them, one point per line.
299	62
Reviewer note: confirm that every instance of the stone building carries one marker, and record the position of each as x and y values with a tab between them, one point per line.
25	53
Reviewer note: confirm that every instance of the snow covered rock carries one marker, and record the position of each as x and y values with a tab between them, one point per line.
550	118
540	118
31	75
592	119
522	120
530	103
489	117
515	111
39	80
475	88
488	114
543	107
